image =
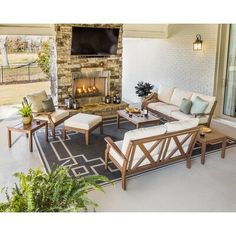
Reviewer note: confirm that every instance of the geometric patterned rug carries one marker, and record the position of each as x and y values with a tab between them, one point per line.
89	160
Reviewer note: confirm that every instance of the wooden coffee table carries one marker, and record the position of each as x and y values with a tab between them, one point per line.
211	138
137	120
28	130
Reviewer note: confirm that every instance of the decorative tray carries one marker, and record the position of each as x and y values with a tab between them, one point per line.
133	110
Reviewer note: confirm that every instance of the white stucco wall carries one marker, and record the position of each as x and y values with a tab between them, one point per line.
171	61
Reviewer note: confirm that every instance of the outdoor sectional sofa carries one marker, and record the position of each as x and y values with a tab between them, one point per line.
147	148
167	104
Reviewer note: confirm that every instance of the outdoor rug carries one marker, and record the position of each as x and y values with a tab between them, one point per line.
89	160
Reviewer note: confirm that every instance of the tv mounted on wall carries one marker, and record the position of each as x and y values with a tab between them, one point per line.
94	42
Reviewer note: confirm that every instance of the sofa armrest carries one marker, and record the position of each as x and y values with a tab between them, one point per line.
42	113
60	106
110	143
153	97
201	114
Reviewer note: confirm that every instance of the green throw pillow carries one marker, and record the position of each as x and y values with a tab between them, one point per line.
48	105
199	106
185	106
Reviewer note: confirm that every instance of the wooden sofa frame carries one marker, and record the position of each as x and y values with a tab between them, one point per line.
169	118
164	158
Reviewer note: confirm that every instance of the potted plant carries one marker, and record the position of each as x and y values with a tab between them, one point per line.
143	89
54	192
26	113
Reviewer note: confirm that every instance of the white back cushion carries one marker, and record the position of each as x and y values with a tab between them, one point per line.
178	126
178	96
165	93
139	134
181	125
36	100
209	99
142	133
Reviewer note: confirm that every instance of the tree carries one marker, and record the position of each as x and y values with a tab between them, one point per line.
3	49
44	58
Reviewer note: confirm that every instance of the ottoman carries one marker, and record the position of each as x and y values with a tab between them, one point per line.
82	123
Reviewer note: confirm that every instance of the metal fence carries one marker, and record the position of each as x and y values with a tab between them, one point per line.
22	73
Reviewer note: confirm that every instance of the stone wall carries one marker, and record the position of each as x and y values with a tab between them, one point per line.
68	64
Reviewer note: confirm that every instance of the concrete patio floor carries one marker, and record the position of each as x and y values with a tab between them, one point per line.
202	188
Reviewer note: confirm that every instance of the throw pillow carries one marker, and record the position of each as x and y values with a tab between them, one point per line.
36	100
199	106
48	105
185	106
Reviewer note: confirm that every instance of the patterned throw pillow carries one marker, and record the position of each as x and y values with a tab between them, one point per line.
48	105
185	106
199	106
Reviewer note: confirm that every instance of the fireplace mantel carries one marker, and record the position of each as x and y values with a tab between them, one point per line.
91	69
91	72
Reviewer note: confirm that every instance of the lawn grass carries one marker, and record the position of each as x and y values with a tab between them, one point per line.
14	74
14	93
21	74
20	58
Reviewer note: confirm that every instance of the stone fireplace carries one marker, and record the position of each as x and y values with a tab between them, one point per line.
88	79
90	86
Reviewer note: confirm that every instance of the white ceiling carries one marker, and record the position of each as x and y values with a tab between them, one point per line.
130	30
27	29
145	31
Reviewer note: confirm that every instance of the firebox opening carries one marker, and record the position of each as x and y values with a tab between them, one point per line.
89	87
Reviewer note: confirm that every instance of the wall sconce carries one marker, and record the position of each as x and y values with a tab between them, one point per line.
197	45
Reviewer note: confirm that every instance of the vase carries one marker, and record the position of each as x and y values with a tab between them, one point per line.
26	120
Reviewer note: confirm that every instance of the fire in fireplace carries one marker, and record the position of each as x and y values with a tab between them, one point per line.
93	84
87	91
88	87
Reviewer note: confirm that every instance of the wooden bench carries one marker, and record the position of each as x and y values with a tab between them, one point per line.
147	153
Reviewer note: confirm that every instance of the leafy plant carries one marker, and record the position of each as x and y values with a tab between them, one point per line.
44	58
143	89
53	192
26	110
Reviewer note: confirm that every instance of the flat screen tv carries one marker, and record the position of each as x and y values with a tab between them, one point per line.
94	41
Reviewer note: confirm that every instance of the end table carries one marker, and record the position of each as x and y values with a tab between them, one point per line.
211	138
29	130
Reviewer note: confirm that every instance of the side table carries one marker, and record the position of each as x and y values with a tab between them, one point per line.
211	138
28	130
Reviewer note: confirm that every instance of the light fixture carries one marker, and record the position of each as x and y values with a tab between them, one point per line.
197	45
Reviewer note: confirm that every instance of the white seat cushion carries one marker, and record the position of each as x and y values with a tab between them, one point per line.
83	121
209	99
56	116
115	155
165	93
178	115
166	109
178	95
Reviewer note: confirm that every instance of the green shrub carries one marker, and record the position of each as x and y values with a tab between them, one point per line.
44	58
53	192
